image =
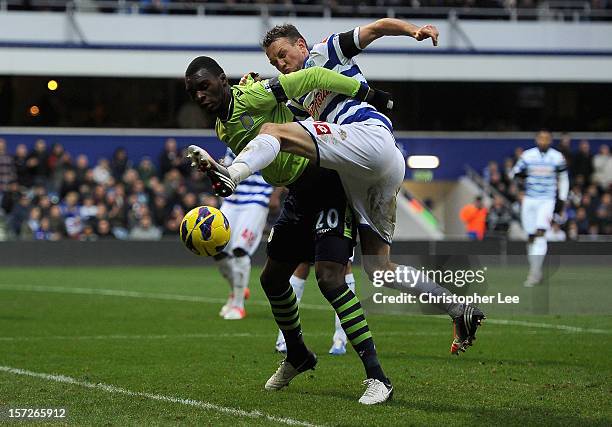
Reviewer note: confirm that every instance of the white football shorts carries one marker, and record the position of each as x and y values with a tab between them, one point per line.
370	166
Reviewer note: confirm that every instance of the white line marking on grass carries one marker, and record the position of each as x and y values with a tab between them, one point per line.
189	402
137	294
176	297
192	336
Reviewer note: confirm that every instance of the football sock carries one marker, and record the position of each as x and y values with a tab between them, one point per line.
536	252
226	267
355	326
257	154
242	271
339	333
286	313
298	287
423	285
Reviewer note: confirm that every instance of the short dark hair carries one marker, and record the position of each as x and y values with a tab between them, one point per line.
281	31
204	63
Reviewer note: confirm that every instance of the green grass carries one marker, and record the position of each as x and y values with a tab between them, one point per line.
514	375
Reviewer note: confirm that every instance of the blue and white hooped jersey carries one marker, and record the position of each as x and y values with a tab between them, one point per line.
253	190
327	106
542	171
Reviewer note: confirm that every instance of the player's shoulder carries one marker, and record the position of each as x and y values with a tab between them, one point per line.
556	154
530	153
325	47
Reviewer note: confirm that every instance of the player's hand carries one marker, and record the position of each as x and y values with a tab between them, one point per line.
252	75
381	100
428	32
559	206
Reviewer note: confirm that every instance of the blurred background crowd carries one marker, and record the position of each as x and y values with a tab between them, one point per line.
47	193
589	206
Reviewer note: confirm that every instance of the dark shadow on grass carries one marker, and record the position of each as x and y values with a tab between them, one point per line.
471	360
523	416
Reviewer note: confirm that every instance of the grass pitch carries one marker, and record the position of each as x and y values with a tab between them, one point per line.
154	335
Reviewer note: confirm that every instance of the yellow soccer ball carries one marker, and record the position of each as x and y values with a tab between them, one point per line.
205	231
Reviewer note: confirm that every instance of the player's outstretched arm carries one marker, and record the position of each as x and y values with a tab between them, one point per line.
395	27
304	81
267	93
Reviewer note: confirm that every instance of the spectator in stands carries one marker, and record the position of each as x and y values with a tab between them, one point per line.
145	230
38	162
582	162
169	158
81	168
103	230
565	148
21	166
582	221
499	218
7	168
102	172
474	216
602	167
119	163
146	170
555	233
31	225
491	169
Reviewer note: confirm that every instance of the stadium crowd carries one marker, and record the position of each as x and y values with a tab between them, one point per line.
589	206
47	194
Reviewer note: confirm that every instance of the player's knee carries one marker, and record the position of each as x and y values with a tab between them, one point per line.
239	252
330	275
374	265
270	129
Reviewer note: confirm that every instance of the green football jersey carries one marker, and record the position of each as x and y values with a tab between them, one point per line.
257	103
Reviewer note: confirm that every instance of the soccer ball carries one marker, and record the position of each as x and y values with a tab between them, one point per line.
205	231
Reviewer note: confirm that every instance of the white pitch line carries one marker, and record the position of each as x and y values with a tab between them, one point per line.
137	294
171	399
193	336
175	297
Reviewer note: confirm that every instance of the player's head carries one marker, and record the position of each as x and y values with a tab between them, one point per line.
543	139
207	84
286	48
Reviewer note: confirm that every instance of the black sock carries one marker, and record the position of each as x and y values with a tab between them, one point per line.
355	326
287	316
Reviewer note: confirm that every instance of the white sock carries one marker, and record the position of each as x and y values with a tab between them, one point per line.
226	268
339	333
298	286
536	252
257	154
242	269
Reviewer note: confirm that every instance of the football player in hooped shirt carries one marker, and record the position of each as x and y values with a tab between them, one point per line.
355	139
316	223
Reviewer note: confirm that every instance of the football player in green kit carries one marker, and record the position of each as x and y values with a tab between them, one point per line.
316	223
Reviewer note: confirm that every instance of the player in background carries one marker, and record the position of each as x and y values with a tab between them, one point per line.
247	211
297	281
353	138
316	223
546	188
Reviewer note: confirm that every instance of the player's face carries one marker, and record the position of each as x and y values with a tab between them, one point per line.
543	140
287	57
207	90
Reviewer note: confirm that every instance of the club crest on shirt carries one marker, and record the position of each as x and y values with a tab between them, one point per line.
247	121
